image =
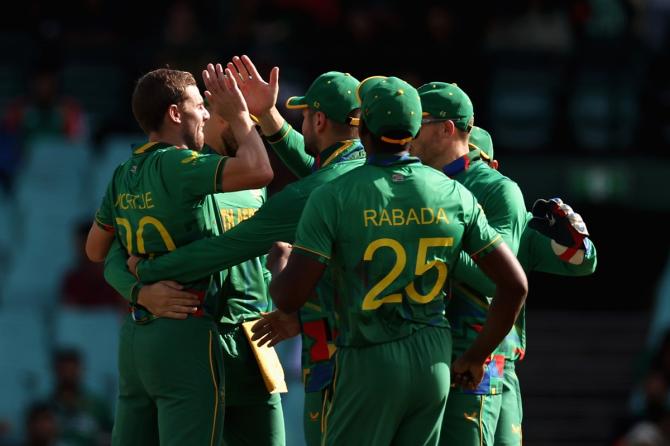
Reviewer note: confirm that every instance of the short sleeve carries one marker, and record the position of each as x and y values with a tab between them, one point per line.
194	173
103	216
479	238
317	227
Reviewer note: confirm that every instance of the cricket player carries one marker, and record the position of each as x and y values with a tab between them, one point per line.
555	241
390	230
171	371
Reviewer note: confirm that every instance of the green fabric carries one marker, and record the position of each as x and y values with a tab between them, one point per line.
442	100
155	202
481	140
402	218
289	145
276	220
503	204
508	430
313	417
171	384
333	93
390	105
116	271
470	420
257	425
391	393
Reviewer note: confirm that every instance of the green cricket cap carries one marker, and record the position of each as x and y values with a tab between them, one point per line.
481	140
446	101
332	93
390	105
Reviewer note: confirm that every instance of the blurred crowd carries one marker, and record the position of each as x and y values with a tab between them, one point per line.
569	76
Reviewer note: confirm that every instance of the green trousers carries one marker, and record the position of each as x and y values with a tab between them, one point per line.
508	430
470	420
171	384
391	393
253	416
313	417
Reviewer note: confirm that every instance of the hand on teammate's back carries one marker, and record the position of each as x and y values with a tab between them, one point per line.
261	96
223	94
167	299
275	327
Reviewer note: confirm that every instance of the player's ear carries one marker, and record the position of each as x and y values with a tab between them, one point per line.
320	121
173	114
449	127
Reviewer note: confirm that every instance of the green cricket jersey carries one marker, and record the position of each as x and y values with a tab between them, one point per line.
276	220
155	202
289	145
390	231
503	204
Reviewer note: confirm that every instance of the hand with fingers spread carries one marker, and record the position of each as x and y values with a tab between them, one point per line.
275	327
167	299
467	373
261	96
223	94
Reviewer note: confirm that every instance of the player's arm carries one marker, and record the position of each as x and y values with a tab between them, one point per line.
506	212
163	299
101	234
311	252
275	220
261	98
557	240
250	168
499	263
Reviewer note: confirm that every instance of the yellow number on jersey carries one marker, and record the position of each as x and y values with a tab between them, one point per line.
147	220
370	301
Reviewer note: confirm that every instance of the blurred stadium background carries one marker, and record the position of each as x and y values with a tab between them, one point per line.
576	94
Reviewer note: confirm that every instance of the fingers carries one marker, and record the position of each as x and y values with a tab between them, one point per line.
241	69
274	77
261	331
172	284
250	68
209	77
185	302
185	309
173	315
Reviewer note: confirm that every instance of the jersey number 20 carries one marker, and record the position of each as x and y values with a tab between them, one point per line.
371	300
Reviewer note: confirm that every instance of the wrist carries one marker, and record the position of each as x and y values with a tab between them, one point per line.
271	122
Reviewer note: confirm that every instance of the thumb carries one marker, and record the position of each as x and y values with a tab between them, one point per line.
274	77
172	284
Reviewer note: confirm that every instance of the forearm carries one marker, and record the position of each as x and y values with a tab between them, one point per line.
251	150
117	274
541	257
271	121
289	145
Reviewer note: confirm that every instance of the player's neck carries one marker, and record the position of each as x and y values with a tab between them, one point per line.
450	154
168	137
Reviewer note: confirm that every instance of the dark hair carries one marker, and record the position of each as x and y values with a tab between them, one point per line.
380	146
67	354
36	410
155	92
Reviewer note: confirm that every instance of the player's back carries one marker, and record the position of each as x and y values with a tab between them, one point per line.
398	229
155	198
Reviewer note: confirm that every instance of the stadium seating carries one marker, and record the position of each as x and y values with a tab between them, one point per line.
25	365
95	334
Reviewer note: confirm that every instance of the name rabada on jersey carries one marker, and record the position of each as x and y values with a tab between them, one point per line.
134	201
404	217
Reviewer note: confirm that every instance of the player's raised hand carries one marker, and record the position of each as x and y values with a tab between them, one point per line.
261	96
275	327
167	299
223	93
559	222
466	373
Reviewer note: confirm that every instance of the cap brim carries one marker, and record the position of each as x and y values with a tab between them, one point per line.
365	86
296	102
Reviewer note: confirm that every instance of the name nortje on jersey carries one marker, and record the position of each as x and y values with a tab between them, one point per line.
404	217
134	201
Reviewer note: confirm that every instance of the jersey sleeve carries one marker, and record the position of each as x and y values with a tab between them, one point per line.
289	145
316	230
467	271
104	216
117	274
479	238
506	212
275	221
195	174
536	254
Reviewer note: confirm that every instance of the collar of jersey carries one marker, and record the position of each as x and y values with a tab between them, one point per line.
461	164
140	149
384	160
340	151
